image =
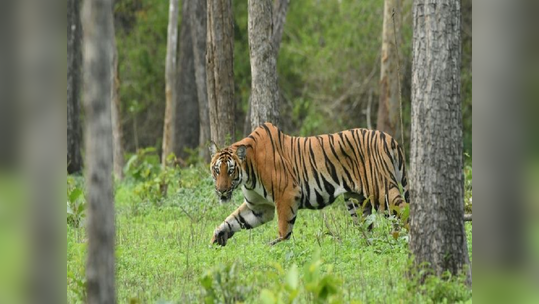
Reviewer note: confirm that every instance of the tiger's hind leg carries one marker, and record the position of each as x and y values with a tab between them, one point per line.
395	199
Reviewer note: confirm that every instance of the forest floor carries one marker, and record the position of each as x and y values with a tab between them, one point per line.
163	252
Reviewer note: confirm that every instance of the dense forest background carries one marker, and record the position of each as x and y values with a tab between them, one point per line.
328	67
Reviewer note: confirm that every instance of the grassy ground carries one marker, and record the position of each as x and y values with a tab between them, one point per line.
163	254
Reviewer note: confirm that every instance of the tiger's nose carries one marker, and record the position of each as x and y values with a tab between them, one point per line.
221	192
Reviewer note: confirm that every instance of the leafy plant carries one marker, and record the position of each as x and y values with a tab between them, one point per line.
222	285
445	289
76	204
142	165
468	189
151	179
317	285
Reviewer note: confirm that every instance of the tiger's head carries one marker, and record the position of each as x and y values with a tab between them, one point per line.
226	170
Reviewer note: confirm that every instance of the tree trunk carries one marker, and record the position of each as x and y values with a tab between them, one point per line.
388	107
220	71
117	134
198	35
36	117
74	61
98	53
170	82
264	90
187	114
437	234
280	8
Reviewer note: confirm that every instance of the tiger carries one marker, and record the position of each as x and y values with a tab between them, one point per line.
283	173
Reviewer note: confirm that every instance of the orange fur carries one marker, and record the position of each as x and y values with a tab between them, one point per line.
292	173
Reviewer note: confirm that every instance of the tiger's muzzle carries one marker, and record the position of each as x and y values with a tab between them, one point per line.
224	196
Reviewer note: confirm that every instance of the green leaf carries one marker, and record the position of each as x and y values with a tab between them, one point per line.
75	194
206	282
267	297
292	277
69	210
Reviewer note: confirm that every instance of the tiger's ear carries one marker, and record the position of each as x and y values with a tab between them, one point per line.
241	152
213	148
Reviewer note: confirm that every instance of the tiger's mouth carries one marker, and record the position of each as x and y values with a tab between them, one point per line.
224	197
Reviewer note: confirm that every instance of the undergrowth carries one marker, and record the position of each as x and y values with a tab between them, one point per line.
165	219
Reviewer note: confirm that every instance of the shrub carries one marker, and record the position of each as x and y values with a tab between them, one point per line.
76	203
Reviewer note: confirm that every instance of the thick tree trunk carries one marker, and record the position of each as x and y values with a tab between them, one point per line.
29	33
198	35
74	61
264	90
170	82
118	152
280	8
220	71
98	53
187	114
388	107
437	234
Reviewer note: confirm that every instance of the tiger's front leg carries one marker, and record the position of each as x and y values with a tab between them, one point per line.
247	216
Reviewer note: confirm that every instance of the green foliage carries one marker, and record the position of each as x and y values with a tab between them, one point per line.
76	203
445	289
328	67
141	38
222	285
142	165
163	251
315	284
76	278
468	188
152	180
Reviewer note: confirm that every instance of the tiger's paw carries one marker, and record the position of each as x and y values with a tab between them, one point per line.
221	237
277	240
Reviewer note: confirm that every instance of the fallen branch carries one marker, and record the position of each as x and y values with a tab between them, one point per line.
468	217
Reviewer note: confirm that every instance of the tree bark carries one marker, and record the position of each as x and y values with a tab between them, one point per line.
187	114
74	61
98	53
30	28
264	90
220	71
280	8
388	107
437	234
198	35
117	134
170	82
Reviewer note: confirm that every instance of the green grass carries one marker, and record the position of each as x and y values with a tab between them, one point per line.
163	251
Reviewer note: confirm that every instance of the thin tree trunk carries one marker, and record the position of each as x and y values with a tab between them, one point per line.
170	82
280	9
437	234
187	114
117	134
388	107
220	71
198	35
264	90
74	61
98	53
